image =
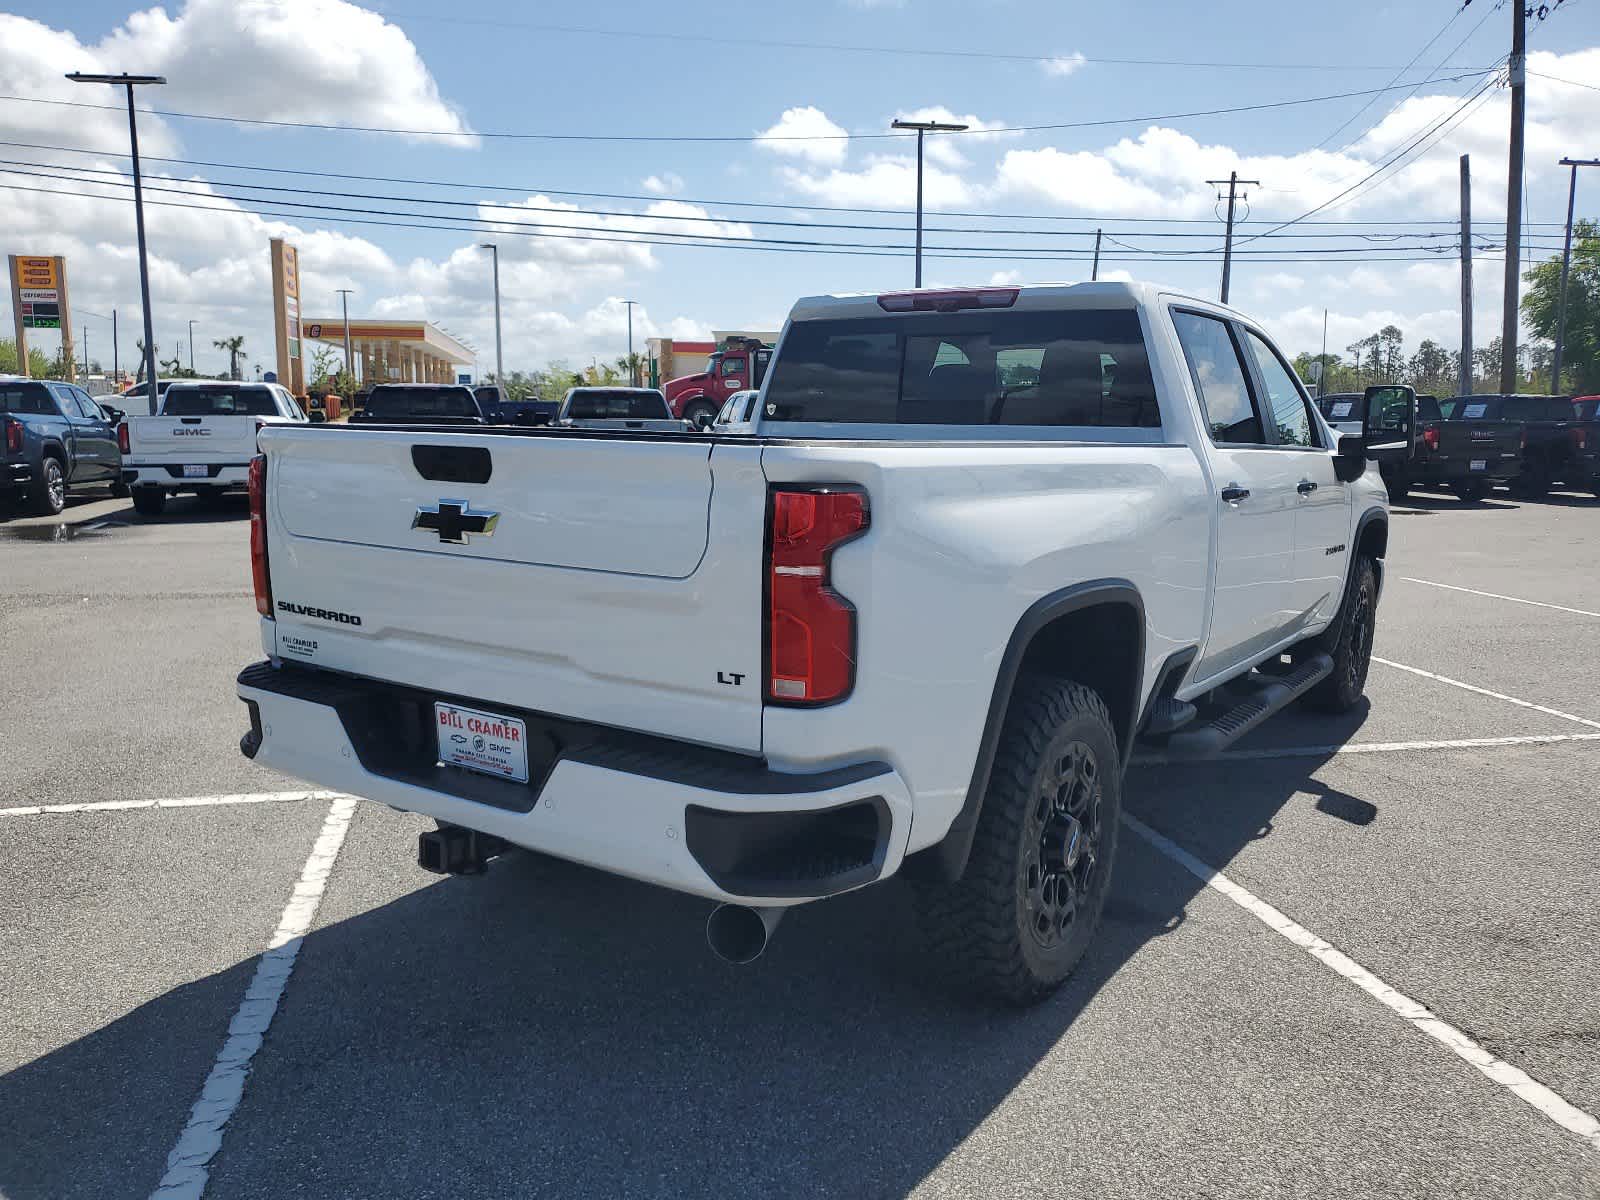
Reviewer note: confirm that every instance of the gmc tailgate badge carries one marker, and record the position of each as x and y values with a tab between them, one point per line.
455	521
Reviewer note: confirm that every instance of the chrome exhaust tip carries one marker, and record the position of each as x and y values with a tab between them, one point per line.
738	933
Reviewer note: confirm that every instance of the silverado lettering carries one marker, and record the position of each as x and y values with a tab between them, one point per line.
321	614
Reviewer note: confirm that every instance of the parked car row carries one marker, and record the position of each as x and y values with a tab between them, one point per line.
1470	444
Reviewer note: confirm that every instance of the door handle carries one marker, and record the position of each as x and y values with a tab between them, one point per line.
1306	487
1233	493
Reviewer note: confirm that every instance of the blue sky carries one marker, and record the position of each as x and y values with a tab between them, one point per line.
483	66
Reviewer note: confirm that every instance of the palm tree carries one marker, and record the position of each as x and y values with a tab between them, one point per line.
235	347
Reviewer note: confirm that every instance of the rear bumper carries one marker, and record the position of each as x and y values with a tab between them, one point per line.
1497	468
171	477
15	475
706	822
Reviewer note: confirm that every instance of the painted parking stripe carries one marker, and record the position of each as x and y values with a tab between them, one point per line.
188	1164
1469	687
35	810
1156	760
1516	1081
1582	612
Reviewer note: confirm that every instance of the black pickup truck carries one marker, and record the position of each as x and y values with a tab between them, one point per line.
1425	449
1556	446
431	404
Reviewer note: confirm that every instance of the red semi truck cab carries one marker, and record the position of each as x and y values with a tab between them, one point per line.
740	363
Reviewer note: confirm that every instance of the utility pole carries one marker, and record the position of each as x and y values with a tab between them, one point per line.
1233	181
1464	367
1519	81
923	127
344	299
1322	363
130	82
86	352
116	361
1094	272
1566	267
191	348
633	375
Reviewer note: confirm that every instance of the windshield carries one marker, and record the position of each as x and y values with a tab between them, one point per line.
245	399
612	404
1073	367
392	401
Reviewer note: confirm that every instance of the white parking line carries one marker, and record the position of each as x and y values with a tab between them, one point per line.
1156	760
34	810
1554	712
202	1137
1518	1082
1582	612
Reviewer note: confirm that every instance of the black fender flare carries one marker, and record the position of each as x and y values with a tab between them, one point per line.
59	448
947	858
1371	517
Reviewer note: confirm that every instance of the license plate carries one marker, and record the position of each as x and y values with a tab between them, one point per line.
482	741
1479	464
193	472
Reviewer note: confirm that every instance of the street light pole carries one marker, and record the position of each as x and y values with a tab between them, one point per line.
130	82
499	362
923	127
1566	266
633	375
344	299
191	348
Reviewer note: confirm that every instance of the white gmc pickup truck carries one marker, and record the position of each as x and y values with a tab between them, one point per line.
978	543
201	441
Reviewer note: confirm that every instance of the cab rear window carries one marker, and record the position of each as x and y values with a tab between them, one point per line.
607	404
26	398
395	401
1084	367
248	401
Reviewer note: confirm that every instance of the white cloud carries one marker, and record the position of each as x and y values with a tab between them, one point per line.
946	148
806	133
1005	278
883	183
1063	65
665	184
324	61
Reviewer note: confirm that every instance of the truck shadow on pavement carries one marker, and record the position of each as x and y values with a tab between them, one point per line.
550	1030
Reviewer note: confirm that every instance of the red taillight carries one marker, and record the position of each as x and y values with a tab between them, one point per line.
258	535
951	300
122	438
1430	437
13	435
811	629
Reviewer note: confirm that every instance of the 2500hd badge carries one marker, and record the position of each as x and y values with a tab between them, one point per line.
321	614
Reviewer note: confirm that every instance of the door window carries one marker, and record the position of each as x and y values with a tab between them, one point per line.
1219	377
67	406
1291	416
732	366
87	406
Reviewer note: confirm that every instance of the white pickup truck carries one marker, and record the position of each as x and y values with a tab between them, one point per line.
979	542
201	441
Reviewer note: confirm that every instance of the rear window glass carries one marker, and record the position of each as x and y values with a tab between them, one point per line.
616	404
1428	408
26	398
1471	410
1586	410
245	400
1084	367
421	402
1535	408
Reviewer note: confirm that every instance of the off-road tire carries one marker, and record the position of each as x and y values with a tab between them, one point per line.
1471	491
49	496
149	501
700	415
1349	642
985	930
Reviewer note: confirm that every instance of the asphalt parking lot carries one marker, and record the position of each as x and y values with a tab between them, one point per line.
1393	990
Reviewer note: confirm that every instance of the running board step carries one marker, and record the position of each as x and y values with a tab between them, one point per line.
1271	695
1168	716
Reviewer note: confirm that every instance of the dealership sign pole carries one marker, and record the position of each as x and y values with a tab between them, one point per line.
39	301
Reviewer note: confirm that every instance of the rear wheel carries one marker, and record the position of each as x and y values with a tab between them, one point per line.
1534	482
149	501
1019	919
1349	643
700	415
50	491
1471	490
119	490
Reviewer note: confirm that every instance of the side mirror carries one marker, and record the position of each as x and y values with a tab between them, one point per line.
114	415
1389	418
1350	458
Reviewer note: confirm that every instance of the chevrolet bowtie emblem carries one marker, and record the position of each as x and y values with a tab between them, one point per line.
454	521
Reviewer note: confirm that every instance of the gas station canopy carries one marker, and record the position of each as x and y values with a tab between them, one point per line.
395	351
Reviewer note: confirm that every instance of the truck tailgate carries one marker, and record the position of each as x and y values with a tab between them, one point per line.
1490	442
192	439
607	579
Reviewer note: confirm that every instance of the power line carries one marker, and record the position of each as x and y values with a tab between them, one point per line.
724	138
700	39
986	254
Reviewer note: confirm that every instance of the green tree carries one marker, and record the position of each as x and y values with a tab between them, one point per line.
1580	352
38	363
235	347
1430	369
